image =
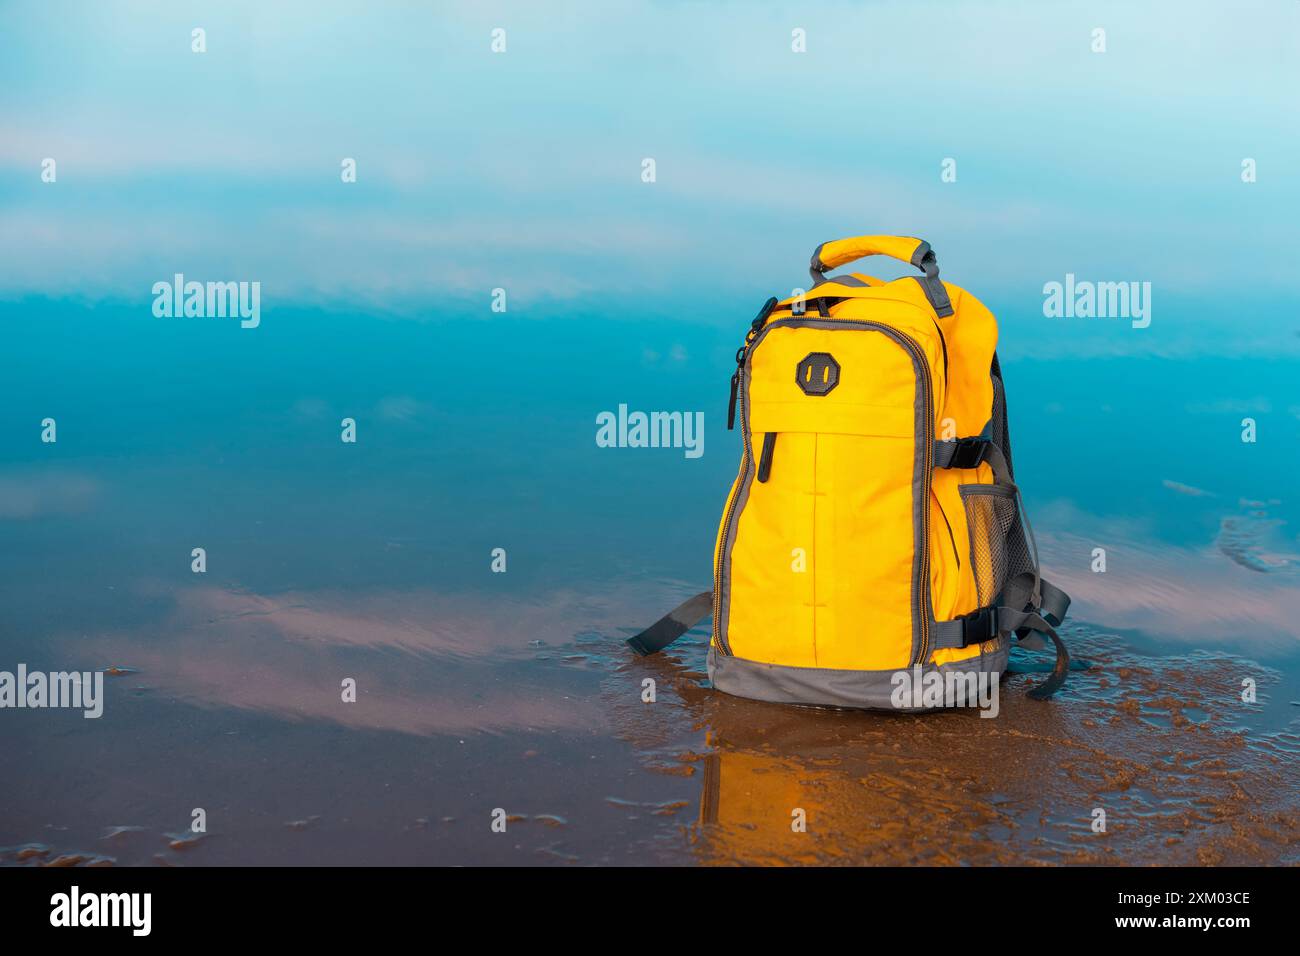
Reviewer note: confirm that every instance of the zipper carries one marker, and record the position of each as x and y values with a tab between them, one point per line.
746	455
927	468
737	389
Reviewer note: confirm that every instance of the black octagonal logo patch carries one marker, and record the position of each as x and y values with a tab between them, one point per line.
818	373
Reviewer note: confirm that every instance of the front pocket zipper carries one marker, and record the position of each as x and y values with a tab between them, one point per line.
765	458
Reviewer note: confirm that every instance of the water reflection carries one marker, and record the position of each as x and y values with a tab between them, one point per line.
1162	746
423	663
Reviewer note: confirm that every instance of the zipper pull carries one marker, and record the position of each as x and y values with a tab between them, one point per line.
765	460
735	382
741	352
731	405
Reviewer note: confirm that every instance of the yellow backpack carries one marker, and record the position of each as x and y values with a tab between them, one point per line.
874	529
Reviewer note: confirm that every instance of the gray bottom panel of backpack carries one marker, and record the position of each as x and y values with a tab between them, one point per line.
966	683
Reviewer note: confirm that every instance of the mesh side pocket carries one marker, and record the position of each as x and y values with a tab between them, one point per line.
998	551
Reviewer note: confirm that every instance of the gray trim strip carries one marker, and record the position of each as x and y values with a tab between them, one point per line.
829	687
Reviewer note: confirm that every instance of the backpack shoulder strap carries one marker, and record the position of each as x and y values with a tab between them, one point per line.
672	625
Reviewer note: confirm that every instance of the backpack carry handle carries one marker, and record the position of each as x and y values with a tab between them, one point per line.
909	249
832	255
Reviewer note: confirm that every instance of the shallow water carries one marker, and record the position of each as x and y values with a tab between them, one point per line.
479	691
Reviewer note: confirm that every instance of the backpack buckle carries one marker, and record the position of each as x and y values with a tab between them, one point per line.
979	626
961	452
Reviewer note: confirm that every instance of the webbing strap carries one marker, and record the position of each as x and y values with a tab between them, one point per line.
970	453
986	623
672	625
974	628
1053	602
936	293
960	452
1001	470
1032	619
1034	623
1023	592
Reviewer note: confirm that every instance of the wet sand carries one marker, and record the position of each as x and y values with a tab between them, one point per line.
467	705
